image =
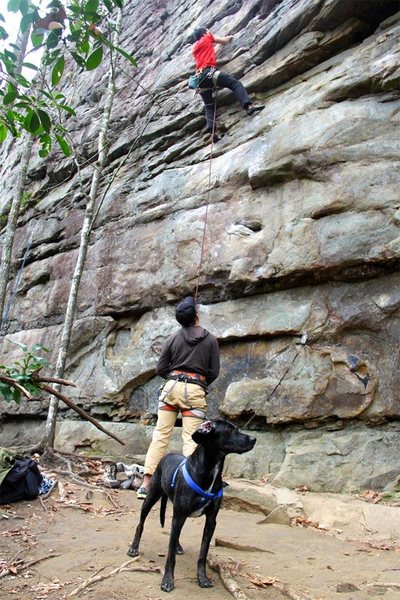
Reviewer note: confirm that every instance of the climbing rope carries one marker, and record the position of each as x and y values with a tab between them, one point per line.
208	200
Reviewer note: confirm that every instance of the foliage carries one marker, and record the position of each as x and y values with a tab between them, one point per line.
23	372
64	33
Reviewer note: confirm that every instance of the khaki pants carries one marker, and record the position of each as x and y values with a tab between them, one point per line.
181	397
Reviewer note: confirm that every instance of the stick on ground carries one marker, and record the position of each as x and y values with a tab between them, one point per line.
127	566
241	547
227	578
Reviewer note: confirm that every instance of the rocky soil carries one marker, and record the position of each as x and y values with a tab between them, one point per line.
309	547
300	277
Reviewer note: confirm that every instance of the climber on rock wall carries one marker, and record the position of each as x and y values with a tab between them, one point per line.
209	77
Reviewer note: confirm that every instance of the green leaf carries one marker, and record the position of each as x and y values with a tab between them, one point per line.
46	93
6	392
37	39
21	104
2	18
63	145
52	40
10	97
3	132
91	6
61	128
44	119
11	94
3	33
68	109
24	7
17	396
29	65
121	51
32	122
11	55
57	71
13	5
84	46
94	59
45	141
78	59
109	5
126	55
26	22
22	81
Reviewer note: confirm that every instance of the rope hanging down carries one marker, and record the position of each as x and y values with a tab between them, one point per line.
207	202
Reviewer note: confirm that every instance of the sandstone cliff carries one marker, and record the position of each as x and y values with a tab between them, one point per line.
300	274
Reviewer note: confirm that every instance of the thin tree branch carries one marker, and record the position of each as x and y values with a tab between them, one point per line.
80	412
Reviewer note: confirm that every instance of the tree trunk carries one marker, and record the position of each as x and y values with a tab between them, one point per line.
84	244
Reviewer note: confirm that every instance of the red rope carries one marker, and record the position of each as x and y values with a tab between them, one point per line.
208	201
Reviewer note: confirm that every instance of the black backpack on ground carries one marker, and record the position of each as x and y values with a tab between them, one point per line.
22	482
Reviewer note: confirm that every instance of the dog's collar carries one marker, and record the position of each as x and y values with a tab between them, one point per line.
193	485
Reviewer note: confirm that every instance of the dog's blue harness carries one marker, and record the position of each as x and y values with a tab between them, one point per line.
207	496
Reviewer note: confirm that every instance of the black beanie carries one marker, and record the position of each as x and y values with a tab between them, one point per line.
185	311
198	33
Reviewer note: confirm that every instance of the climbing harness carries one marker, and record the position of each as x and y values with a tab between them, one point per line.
182	377
202	74
187	376
206	495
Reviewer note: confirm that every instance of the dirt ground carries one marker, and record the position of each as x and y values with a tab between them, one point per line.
79	533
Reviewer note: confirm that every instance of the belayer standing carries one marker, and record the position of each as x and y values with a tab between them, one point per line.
206	67
189	361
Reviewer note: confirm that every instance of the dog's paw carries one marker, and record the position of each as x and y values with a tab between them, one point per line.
133	551
205	582
167	584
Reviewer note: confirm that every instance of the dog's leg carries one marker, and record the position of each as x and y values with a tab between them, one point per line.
153	496
209	528
167	584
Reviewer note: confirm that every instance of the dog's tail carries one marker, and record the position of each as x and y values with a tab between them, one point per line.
163	507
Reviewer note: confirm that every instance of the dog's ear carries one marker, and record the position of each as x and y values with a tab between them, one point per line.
205	429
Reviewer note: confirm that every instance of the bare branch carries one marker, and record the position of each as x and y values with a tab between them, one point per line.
80	412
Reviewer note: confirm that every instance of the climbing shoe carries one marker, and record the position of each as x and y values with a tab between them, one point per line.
215	135
254	107
141	494
110	476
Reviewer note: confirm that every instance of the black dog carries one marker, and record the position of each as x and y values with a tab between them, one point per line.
194	485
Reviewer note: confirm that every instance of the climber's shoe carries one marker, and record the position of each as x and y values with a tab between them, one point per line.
253	107
215	136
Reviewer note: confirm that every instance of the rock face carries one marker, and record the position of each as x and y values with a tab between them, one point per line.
299	277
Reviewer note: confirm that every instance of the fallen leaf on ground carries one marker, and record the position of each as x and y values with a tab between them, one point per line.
304	522
261	581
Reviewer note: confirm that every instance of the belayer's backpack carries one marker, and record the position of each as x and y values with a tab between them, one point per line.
22	481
